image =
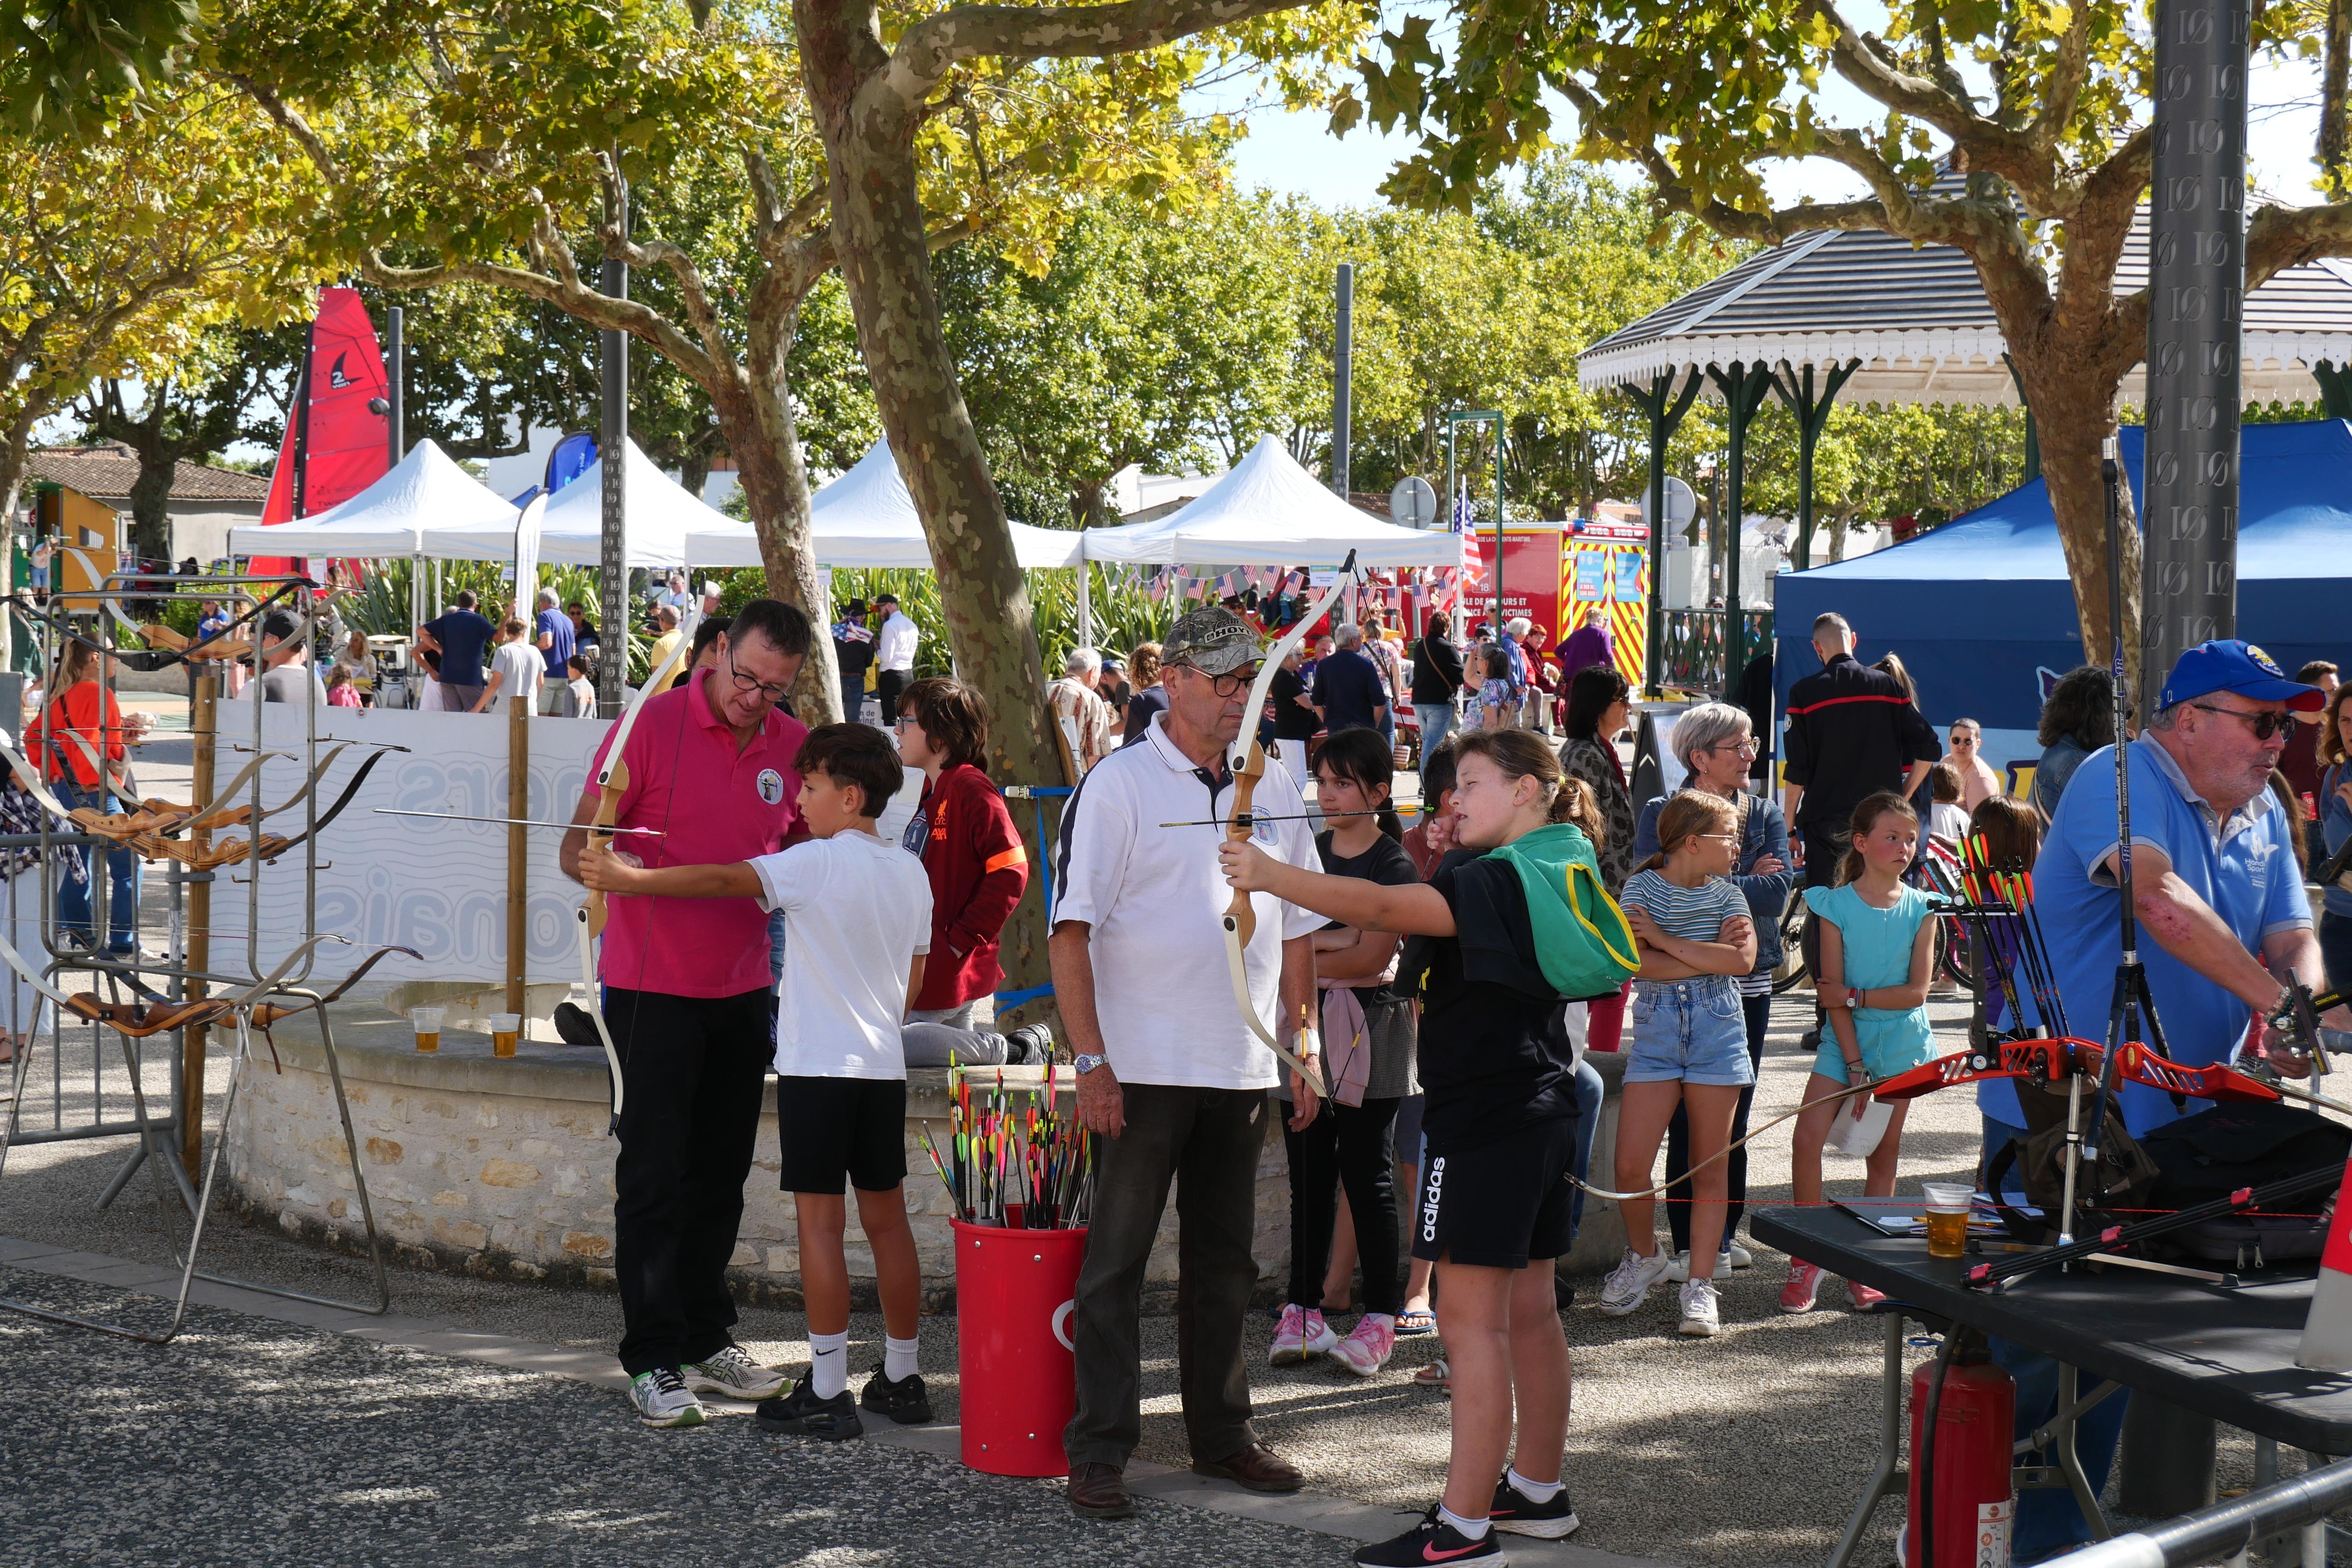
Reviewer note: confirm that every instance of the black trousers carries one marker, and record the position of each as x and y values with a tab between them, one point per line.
1757	1011
692	1068
1208	1140
889	685
1345	1145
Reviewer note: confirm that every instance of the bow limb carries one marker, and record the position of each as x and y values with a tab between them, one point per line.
31	977
1237	965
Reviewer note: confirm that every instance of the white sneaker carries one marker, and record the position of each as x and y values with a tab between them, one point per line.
662	1399
734	1374
1700	1317
1630	1281
1679	1270
1732	1257
1739	1257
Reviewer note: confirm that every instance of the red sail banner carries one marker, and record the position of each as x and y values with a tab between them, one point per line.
335	446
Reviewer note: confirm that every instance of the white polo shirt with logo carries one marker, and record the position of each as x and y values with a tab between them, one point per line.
1155	899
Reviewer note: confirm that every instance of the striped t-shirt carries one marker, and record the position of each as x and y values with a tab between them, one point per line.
1694	914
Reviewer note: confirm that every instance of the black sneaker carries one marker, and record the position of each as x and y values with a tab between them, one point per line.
802	1414
1028	1046
1511	1510
906	1401
576	1027
1430	1540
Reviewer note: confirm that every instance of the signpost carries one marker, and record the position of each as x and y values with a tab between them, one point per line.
1452	423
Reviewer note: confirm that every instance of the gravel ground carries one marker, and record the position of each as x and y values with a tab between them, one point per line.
251	1442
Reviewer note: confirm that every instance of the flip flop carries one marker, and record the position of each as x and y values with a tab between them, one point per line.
1412	1325
1436	1375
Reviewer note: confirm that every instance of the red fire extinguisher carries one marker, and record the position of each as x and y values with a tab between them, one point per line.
1960	1485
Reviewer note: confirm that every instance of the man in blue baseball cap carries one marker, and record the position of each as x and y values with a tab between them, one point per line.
2223	923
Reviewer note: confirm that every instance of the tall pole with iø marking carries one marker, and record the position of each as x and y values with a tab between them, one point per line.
2197	285
612	448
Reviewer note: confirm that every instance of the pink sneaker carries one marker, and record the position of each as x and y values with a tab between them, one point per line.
1300	1334
1805	1284
1368	1348
1862	1297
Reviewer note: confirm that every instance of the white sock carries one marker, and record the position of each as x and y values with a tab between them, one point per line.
898	1358
1467	1529
1535	1491
1386	1319
828	1363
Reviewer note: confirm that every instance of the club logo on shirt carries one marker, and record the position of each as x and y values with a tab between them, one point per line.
1263	830
771	786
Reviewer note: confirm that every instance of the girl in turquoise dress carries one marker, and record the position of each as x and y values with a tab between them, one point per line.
1877	954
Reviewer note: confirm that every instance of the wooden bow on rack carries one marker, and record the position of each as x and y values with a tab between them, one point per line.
1247	763
611	784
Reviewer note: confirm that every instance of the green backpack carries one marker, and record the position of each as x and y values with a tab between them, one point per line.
1582	941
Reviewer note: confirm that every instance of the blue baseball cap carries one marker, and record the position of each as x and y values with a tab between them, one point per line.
2230	665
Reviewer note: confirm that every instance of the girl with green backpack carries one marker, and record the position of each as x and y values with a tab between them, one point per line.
1509	938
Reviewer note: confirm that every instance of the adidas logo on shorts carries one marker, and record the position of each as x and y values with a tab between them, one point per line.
1429	1195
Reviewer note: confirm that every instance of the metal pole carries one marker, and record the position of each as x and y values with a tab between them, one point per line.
1343	354
202	719
518	848
2196	294
611	443
396	347
1498	529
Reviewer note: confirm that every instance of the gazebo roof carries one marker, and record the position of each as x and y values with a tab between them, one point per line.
1918	320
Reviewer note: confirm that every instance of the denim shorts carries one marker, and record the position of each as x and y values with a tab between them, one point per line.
1689	1029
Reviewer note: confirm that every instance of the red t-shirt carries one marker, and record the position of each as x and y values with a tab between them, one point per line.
716	806
978	869
86	711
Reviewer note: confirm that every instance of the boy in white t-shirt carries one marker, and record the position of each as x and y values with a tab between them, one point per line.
857	912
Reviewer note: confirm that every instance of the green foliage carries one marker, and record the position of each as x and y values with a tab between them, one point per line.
71	65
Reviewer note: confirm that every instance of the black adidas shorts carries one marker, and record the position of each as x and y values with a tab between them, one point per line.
1499	1204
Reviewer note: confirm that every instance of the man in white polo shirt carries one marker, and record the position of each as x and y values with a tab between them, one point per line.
1169	1071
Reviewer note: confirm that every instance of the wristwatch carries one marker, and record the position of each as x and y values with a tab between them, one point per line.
1086	1064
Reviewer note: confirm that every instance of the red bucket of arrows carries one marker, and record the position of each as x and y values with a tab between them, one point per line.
1013	1350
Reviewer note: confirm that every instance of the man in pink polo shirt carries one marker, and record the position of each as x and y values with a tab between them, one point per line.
686	998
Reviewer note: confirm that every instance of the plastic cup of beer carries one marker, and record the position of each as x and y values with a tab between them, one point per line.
1947	1218
427	1024
505	1028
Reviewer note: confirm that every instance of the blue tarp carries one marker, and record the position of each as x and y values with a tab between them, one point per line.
1982	612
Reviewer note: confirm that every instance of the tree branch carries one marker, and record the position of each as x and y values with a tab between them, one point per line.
931	47
572	298
295	126
2281	237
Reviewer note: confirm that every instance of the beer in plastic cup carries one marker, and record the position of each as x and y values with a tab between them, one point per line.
1947	1218
505	1028
427	1024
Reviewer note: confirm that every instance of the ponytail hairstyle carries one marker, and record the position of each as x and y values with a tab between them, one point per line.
1363	759
1865	817
1688	814
2012	829
1523	754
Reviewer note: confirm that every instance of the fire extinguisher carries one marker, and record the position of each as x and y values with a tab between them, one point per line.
1962	1498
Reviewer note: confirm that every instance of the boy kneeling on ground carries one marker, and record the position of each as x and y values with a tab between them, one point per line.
858	921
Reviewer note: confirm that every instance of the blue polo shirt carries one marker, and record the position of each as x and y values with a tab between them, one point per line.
2243	867
555	624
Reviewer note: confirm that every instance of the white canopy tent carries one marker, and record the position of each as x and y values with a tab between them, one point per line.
866	518
424	490
1268	511
658	511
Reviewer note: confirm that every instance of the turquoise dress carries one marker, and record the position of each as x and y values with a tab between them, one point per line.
1877	945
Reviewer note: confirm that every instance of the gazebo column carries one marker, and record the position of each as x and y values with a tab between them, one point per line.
1664	408
1743	387
2335	388
1811	408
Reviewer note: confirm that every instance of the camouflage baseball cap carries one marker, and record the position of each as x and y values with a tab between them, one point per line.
1214	642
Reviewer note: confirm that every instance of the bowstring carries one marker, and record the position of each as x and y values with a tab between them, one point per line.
669	802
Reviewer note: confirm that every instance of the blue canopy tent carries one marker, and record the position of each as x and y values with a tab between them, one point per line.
1983	616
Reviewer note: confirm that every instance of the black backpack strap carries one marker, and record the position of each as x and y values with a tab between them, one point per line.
2017	1222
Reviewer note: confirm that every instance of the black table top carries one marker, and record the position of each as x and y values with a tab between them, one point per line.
2227	1354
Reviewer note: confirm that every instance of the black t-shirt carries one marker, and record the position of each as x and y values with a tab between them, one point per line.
463	636
1386	863
1348	688
1437	672
1293	719
1140	708
1493	1058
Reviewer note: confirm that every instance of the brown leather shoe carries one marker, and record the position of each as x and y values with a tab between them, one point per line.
1258	1467
1100	1491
